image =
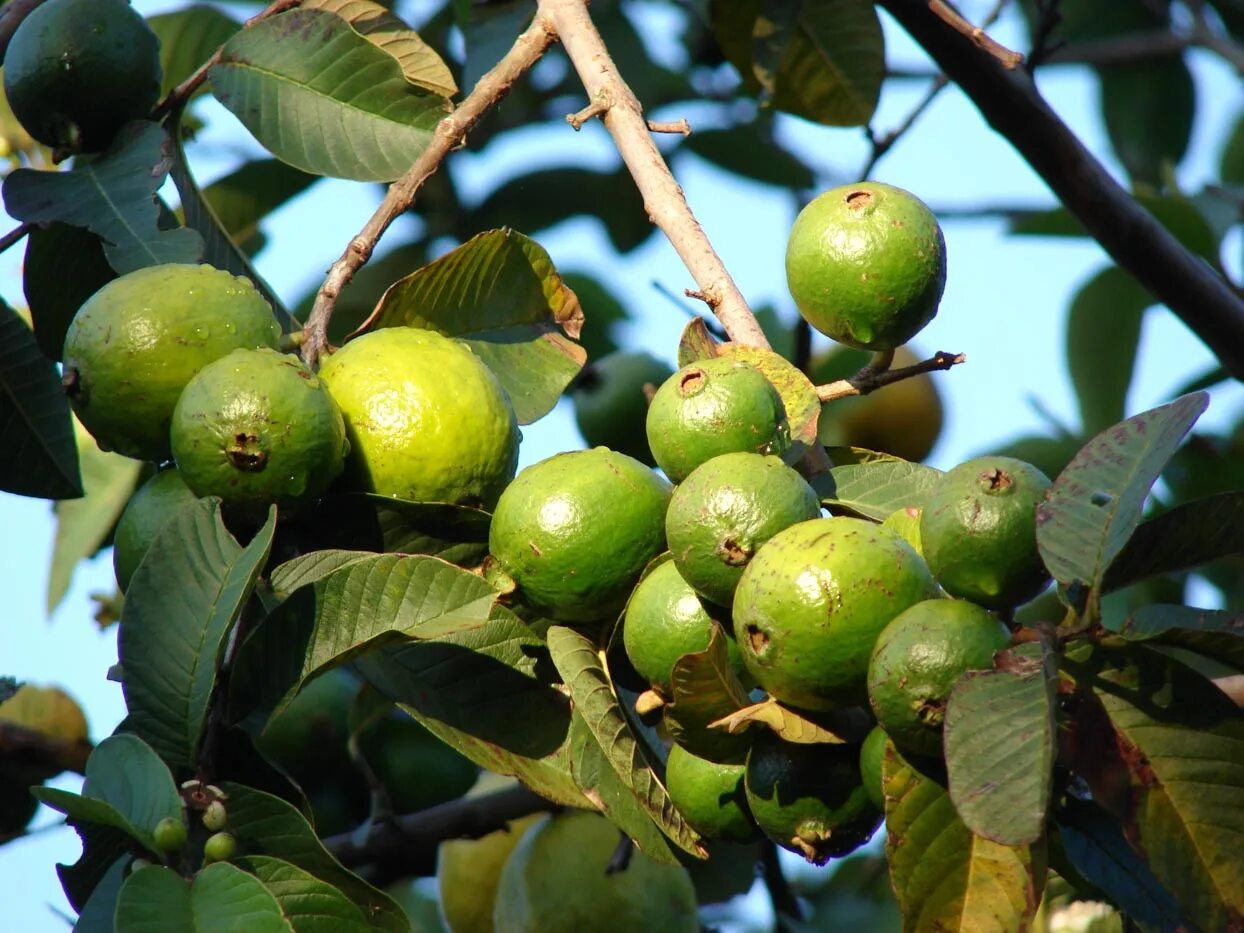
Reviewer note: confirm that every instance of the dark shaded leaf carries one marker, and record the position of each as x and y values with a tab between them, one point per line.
1148	108
114	197
747	151
64	266
96	915
188	38
1182	537
489	30
365	522
706	690
1218	634
1105	312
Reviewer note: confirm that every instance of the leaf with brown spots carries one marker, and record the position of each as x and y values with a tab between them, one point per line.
793	726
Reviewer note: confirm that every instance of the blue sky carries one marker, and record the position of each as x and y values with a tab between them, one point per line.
1004	307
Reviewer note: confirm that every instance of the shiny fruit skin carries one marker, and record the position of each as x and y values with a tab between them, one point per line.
151	505
710	795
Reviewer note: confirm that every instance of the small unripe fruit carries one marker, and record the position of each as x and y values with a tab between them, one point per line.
170	834
219	848
214	817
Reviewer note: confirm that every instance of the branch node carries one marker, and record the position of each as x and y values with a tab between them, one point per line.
599	105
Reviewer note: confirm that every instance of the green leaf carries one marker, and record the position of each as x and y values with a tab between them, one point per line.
308	568
36	429
114	197
790	725
458	534
1215	634
221	249
127	787
706	690
499	294
96	915
818	59
221	899
488	692
999	741
83	525
188	38
1182	743
945	876
1231	162
873	489
584	673
1106	312
803	408
489	30
309	904
751	151
1183	537
1148	108
323	98
265	825
179	607
64	266
248	194
361	604
420	64
696	343
1095	504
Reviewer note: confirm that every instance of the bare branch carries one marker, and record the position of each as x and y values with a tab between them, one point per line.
1012	105
672	126
663	198
15	236
975	34
878	373
490	90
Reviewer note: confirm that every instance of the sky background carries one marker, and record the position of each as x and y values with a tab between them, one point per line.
1004	306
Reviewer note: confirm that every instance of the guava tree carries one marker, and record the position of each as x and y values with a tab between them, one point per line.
315	682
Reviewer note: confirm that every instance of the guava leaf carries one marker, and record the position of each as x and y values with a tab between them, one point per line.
114	197
1182	537
742	150
610	794
360	605
188	38
818	59
323	98
244	197
803	408
584	673
489	693
309	904
221	897
456	533
1000	748
64	266
127	787
946	877
488	31
1095	504
500	295
1148	107
179	607
221	249
83	525
96	915
265	825
790	725
706	690
1218	634
696	343
36	428
420	64
1181	742
102	847
1095	845
308	568
1107	310
873	488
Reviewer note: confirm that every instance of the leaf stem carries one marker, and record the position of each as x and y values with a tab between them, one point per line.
878	373
490	90
15	236
785	904
663	197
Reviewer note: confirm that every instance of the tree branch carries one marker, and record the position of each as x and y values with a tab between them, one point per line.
874	377
1011	104
411	840
22	748
663	198
15	235
490	90
783	899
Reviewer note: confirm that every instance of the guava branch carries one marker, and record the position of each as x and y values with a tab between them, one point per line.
622	115
490	90
410	841
1012	105
22	748
15	236
874	377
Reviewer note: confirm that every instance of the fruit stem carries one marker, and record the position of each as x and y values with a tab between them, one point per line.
870	378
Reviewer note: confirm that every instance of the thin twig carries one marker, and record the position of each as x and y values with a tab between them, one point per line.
15	235
1013	106
490	90
670	126
663	198
873	377
783	899
975	34
187	88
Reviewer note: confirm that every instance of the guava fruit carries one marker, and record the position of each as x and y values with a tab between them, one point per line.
75	70
576	530
866	265
918	659
904	418
151	505
555	882
809	798
170	834
713	407
871	754
134	345
709	795
666	619
812	602
258	428
215	816
611	405
426	419
219	847
725	510
979	531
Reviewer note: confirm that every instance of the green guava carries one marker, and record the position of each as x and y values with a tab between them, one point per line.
611	402
709	795
871	754
151	505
